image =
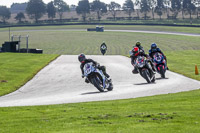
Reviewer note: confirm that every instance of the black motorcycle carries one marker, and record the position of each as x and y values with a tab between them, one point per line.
143	66
103	49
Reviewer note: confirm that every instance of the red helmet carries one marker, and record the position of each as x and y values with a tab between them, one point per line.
135	51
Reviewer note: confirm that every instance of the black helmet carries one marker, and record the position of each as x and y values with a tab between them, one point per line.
138	44
153	46
81	57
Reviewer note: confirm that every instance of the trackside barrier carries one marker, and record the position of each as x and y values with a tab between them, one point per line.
19	41
196	70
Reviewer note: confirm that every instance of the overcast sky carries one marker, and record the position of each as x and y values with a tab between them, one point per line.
8	3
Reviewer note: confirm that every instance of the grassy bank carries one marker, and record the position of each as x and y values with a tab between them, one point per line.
165	113
16	69
184	62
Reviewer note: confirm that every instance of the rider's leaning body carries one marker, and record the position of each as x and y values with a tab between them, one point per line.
85	62
82	59
103	46
154	49
136	52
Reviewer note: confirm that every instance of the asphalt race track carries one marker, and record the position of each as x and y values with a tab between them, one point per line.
60	82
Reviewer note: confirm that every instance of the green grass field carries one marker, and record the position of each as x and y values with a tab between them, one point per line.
110	27
16	69
164	113
184	62
161	114
75	42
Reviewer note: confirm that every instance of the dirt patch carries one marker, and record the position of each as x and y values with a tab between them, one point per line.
3	81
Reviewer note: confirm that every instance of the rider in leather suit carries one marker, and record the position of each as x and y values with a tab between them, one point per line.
82	59
155	49
136	52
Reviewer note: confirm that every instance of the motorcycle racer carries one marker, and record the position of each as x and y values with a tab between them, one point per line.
103	46
138	44
155	49
82	59
136	52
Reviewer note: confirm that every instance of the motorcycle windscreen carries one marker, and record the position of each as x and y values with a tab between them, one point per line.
88	68
140	61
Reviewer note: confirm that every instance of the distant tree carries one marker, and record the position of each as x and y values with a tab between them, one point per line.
167	4
128	7
99	7
61	7
113	8
145	7
4	13
36	9
198	8
175	7
19	17
72	7
159	8
83	8
189	7
152	4
51	10
182	10
137	3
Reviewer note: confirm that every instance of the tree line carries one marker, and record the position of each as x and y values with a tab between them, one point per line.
37	8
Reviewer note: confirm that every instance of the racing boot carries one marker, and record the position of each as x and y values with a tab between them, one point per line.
135	70
107	76
87	81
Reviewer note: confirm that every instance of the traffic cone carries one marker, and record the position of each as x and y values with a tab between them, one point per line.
196	70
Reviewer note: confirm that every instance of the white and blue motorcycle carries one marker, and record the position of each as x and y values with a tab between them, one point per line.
97	78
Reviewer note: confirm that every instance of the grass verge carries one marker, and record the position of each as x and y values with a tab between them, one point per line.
164	113
183	62
16	69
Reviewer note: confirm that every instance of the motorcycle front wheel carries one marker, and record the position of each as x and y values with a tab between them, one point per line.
110	88
96	82
146	76
162	72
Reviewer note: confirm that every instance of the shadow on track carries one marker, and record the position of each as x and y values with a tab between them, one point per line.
161	78
97	92
144	83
